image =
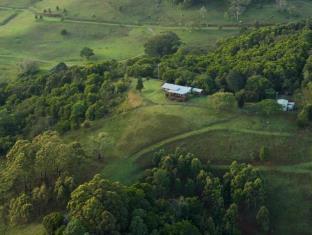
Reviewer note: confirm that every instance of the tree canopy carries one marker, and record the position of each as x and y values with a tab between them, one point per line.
178	195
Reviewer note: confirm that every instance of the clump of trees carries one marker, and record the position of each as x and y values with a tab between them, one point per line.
86	52
38	176
162	44
178	195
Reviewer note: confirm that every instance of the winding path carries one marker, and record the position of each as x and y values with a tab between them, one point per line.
207	129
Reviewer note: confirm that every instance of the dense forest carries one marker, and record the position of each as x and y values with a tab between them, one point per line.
61	99
179	195
276	55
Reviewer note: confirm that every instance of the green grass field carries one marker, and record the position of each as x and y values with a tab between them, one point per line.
24	38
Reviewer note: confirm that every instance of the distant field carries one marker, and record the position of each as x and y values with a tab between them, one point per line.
148	11
25	38
17	3
118	31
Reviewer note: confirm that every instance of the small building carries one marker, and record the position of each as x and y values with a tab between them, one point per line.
286	105
179	93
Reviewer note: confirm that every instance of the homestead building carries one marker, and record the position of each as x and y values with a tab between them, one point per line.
179	93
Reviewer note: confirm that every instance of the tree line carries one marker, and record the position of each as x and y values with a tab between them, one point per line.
236	8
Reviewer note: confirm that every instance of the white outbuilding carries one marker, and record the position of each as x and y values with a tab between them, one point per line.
286	105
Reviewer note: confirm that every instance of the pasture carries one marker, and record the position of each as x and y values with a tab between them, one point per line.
149	122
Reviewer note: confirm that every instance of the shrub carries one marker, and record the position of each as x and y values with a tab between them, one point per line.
52	222
304	116
268	107
263	219
64	32
28	67
263	153
223	101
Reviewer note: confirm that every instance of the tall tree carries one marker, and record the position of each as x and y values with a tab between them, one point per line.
86	52
139	85
162	44
263	219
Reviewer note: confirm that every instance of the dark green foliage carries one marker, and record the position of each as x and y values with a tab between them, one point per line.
64	32
263	153
86	52
184	227
256	87
52	222
223	101
177	196
235	81
74	227
267	107
307	71
263	219
305	116
20	210
240	98
39	175
163	44
261	61
62	99
139	85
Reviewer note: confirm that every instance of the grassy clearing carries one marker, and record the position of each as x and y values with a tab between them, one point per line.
226	145
31	229
290	197
151	122
5	14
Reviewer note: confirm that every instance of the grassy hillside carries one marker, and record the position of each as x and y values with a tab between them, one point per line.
147	121
151	122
